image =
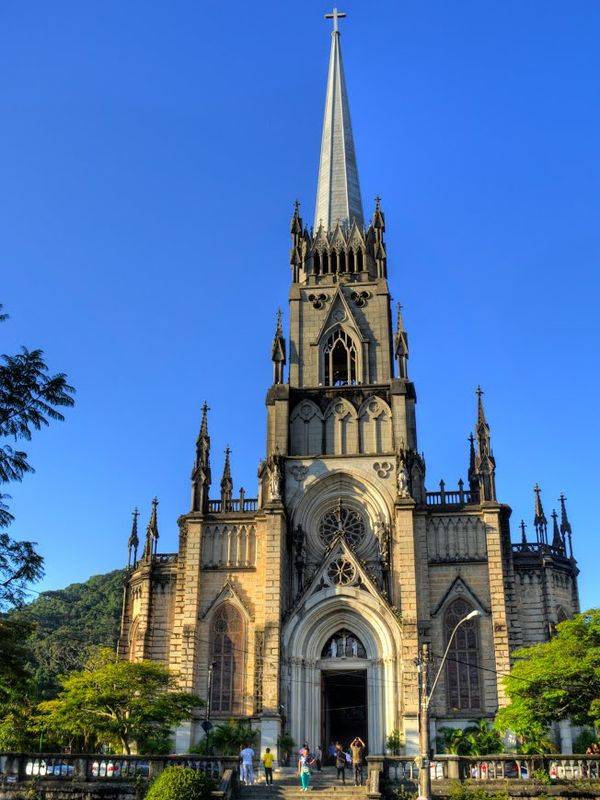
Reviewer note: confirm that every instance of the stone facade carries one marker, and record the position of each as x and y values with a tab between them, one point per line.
344	564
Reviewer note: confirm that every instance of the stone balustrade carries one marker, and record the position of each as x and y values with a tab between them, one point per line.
399	770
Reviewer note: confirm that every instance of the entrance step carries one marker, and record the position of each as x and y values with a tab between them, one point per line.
286	786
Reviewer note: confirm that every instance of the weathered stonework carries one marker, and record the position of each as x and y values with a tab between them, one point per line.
344	564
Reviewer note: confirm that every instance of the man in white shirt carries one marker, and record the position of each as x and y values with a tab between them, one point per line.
247	755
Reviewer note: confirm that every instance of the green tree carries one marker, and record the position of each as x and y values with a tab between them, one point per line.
454	741
477	739
116	702
66	624
29	398
229	737
483	739
559	679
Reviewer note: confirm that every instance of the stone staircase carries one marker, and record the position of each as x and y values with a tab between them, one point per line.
286	786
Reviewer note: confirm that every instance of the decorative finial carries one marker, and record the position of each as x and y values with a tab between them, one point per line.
378	203
539	519
297	208
335	16
134	541
523	534
565	525
226	483
557	542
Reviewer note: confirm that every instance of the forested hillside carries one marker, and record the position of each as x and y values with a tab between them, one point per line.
67	622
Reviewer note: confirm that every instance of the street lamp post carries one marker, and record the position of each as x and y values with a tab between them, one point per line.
424	701
206	723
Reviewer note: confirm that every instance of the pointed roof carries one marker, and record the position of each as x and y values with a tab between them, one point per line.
338	188
226	482
565	525
557	541
153	522
400	337
539	519
133	537
278	348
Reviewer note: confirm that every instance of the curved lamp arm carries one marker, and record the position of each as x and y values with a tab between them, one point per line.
469	616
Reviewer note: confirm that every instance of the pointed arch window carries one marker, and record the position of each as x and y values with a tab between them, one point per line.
340	361
317	262
462	667
226	653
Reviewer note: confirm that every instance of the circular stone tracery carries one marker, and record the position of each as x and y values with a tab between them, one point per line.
341	572
342	520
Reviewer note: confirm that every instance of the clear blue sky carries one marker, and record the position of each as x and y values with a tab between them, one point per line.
149	157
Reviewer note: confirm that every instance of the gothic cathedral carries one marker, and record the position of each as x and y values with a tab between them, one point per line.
310	602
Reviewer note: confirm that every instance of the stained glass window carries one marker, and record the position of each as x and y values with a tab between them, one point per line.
227	634
462	666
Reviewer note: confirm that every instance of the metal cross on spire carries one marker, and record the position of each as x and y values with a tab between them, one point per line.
335	15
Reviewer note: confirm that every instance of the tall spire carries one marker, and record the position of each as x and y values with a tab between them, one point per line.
226	483
338	188
201	476
134	540
278	351
565	525
539	518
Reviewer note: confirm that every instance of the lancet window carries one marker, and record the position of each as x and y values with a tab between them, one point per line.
340	359
462	667
226	654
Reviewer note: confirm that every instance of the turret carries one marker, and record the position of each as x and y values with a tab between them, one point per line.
557	541
201	476
485	464
151	544
226	483
540	522
565	525
134	541
401	346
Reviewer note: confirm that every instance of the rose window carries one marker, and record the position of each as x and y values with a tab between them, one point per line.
342	520
341	572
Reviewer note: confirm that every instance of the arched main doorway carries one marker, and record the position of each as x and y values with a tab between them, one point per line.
333	694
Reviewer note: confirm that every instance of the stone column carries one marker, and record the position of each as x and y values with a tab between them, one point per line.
405	598
271	579
496	572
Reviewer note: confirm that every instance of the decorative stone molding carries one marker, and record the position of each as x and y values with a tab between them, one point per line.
360	298
318	300
383	468
298	472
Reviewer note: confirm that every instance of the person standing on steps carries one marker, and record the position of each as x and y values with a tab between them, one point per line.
304	770
357	748
267	760
340	762
247	755
318	758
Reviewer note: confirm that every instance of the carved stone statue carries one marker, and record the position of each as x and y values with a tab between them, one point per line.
402	479
274	478
333	649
